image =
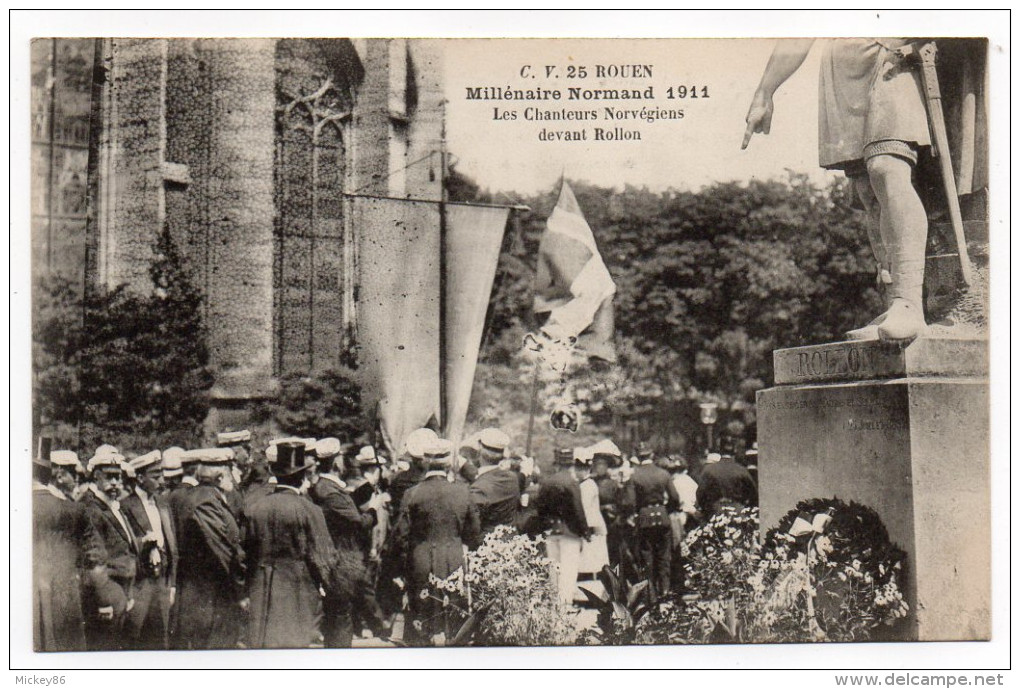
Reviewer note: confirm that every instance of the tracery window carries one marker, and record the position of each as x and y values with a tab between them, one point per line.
313	105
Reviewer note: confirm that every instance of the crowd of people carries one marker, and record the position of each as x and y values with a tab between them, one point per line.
311	542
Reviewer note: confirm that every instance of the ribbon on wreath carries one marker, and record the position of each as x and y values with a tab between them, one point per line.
804	525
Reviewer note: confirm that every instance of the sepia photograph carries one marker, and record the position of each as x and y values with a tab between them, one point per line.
448	340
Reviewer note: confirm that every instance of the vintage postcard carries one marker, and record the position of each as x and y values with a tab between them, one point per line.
363	342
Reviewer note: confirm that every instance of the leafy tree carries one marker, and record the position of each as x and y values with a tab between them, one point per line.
709	283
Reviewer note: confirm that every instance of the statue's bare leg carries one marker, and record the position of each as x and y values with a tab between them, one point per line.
903	225
862	185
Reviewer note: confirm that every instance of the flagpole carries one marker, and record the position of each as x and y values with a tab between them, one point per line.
444	423
531	410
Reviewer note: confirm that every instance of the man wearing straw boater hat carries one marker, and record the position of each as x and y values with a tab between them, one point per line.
64	543
147	625
436	521
108	599
414	452
496	492
172	471
210	571
239	444
350	529
66	470
289	553
179	498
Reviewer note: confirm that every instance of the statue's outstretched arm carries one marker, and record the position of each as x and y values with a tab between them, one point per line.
787	57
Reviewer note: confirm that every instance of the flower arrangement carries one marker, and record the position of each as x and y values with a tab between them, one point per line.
720	558
504	595
852	572
833	575
721	554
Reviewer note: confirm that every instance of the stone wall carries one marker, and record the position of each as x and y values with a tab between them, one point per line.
131	151
235	189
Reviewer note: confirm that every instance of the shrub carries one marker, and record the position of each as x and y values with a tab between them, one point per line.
321	404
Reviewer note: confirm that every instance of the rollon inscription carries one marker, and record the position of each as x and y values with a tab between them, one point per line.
831	362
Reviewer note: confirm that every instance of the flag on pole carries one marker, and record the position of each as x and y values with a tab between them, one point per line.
572	284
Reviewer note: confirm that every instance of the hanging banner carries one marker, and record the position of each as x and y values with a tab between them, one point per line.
398	311
474	235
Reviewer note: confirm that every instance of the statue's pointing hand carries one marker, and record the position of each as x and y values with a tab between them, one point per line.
759	117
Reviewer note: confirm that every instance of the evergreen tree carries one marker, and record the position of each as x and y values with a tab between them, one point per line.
120	367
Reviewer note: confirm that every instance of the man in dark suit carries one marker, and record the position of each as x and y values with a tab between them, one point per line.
496	492
724	482
147	624
289	555
436	521
561	513
179	498
649	496
64	545
350	529
210	571
107	599
606	455
414	449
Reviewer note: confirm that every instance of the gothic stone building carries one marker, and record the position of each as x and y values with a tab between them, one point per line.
243	149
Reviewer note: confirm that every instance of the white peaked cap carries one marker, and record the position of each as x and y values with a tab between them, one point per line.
146	460
605	447
419	441
493	439
439	448
64	458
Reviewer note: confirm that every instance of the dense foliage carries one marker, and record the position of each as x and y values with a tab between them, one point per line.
709	283
320	405
122	367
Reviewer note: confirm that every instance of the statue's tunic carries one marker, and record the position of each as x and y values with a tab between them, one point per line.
866	96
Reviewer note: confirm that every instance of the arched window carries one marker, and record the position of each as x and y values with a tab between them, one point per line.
313	104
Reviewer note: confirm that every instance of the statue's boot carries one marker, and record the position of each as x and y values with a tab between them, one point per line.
904	320
882	278
866	332
870	331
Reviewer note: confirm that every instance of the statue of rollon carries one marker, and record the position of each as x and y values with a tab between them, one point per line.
882	121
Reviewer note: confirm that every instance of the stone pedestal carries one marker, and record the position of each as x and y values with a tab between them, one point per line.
904	431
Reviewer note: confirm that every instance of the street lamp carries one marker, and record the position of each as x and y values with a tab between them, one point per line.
709	415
